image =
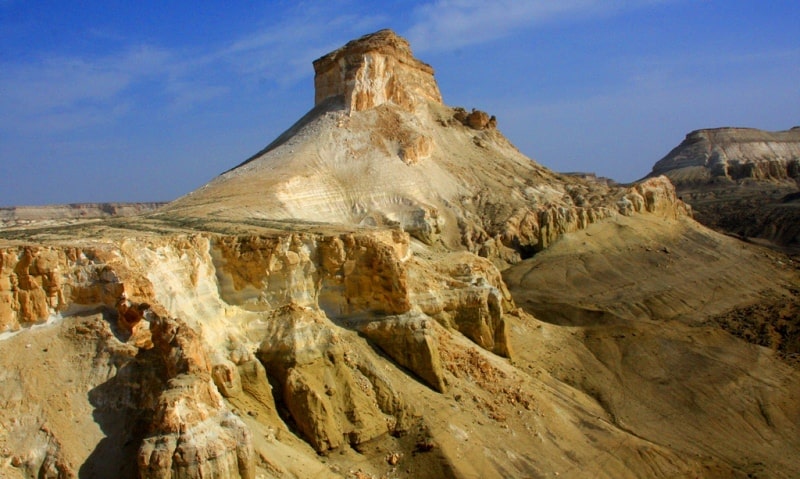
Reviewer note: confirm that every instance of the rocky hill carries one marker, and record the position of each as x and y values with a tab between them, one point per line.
380	149
740	180
390	289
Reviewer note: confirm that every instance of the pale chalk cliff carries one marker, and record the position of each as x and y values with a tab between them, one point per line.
373	70
742	181
733	154
391	289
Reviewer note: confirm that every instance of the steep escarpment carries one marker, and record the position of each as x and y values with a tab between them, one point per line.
739	180
733	154
216	316
250	354
372	70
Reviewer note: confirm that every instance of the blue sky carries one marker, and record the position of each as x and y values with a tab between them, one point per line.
146	101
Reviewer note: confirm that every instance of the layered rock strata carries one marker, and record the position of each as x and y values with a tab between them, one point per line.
340	291
55	214
372	70
380	149
733	154
192	433
740	180
290	300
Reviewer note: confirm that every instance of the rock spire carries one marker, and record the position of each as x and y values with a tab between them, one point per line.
375	69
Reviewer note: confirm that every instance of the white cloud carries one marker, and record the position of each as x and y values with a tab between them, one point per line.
66	92
283	53
451	24
59	92
186	94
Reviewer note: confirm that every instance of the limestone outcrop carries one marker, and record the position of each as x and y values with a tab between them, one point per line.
344	275
379	149
654	195
476	119
364	281
372	70
733	154
465	292
334	307
330	400
413	342
40	282
740	181
192	433
282	306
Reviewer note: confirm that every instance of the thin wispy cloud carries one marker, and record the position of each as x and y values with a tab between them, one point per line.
451	24
683	92
283	52
65	92
186	95
90	96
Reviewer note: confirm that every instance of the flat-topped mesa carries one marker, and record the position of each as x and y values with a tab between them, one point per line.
735	154
372	70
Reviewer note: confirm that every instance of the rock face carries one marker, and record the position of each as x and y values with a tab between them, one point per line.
733	154
740	180
192	433
39	282
380	149
373	70
655	195
291	302
334	307
332	402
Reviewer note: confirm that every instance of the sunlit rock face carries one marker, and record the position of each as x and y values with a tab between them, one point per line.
380	149
334	307
373	70
733	154
209	318
192	433
742	181
40	282
654	195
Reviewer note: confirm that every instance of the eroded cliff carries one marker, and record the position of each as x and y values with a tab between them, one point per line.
733	154
222	313
740	180
372	70
334	307
380	149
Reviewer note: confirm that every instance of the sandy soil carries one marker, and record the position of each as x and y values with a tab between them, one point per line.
633	312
